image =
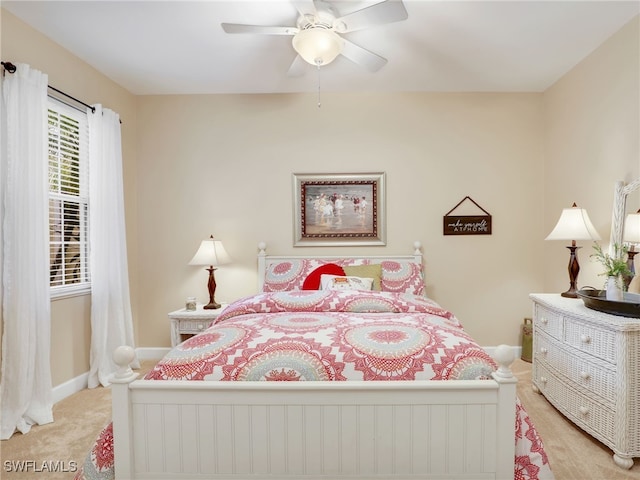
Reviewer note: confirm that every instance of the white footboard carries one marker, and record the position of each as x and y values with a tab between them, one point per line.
311	430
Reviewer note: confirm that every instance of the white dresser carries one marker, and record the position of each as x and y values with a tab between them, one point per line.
587	364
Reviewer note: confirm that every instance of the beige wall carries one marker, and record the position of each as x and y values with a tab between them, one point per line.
592	130
70	321
222	165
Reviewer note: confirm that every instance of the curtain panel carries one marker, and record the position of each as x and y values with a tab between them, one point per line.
111	320
25	389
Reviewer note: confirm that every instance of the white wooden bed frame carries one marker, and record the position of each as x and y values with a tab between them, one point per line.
314	430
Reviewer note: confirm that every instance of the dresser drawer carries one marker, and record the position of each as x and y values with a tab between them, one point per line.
579	370
585	412
590	339
548	321
546	349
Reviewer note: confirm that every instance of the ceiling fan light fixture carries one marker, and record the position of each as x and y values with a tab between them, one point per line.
318	46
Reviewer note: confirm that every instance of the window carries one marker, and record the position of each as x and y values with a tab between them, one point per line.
68	200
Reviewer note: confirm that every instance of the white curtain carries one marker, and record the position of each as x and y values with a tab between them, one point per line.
111	320
25	390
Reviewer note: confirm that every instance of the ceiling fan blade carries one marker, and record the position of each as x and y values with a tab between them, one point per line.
298	67
363	57
258	29
305	7
389	11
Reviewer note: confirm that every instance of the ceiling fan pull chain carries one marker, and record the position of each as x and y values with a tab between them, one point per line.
319	104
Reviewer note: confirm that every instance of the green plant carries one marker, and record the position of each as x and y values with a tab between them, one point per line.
614	265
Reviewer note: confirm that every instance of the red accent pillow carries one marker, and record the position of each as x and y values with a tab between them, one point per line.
312	282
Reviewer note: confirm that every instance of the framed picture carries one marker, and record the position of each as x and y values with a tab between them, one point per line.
338	210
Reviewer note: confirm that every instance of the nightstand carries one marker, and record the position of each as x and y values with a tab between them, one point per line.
186	323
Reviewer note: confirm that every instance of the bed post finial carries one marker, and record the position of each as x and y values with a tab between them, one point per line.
417	245
123	356
262	246
504	356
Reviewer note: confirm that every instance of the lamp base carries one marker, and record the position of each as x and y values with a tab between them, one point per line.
631	266
574	269
211	285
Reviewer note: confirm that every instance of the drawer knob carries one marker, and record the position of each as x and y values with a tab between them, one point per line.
543	351
200	326
585	338
583	410
543	380
585	375
544	320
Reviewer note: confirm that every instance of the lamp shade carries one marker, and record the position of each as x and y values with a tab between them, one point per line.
317	45
211	252
574	224
632	228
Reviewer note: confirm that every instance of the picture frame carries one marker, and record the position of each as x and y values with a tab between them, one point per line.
339	209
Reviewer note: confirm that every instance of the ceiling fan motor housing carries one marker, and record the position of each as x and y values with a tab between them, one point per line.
324	16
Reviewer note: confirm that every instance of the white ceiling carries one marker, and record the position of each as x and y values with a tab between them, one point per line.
178	47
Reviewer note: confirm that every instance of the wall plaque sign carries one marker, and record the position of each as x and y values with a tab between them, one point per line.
467	224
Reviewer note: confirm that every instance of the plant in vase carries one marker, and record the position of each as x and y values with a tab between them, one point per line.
615	269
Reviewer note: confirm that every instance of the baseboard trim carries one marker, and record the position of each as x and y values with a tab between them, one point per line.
76	384
151	353
68	388
79	383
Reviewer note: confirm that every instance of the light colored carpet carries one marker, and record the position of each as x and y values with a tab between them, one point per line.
79	418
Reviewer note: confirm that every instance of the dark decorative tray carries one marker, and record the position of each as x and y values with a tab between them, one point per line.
596	300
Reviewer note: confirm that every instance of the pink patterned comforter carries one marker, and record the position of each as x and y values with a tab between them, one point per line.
335	336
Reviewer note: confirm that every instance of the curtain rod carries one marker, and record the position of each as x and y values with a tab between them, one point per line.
11	68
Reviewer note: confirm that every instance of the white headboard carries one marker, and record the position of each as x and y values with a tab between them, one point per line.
264	260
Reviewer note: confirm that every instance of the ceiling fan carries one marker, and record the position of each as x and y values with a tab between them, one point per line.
317	36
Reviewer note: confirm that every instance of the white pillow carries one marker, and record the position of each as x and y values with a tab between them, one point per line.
337	282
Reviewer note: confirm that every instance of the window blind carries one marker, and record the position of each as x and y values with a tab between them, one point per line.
68	199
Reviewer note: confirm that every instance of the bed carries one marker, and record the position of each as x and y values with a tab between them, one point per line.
319	377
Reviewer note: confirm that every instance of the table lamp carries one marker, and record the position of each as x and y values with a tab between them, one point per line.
574	224
632	236
212	253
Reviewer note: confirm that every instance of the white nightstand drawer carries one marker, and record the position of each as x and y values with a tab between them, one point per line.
548	321
588	338
194	326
